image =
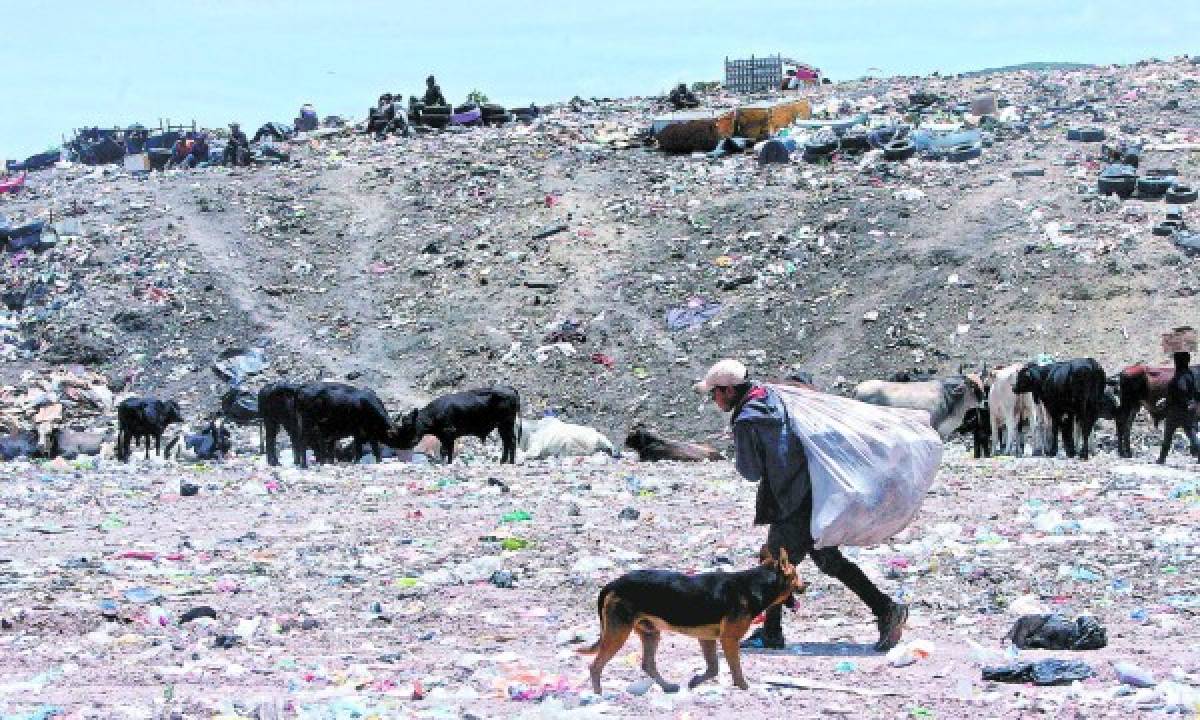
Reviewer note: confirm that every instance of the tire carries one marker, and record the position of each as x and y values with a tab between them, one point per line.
1120	185
855	142
773	152
897	150
1153	187
962	153
492	109
1164	229
1180	195
436	121
1086	134
498	119
821	148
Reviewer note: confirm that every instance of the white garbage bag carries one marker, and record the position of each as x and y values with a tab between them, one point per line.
870	466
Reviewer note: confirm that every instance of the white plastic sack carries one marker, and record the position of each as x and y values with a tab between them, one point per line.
870	466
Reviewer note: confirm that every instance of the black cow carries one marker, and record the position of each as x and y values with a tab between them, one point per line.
144	418
1073	394
277	408
330	411
23	443
978	422
472	412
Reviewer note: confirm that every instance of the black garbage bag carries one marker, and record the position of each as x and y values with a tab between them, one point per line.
773	152
1043	672
1055	632
240	405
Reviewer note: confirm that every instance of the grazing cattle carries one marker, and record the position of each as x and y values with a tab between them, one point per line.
652	447
144	418
330	411
70	444
1140	386
978	423
1072	393
277	408
946	400
472	412
1014	418
18	444
551	437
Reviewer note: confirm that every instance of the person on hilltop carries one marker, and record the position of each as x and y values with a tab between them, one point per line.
770	452
237	150
433	93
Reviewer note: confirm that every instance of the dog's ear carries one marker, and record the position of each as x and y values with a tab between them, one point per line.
765	557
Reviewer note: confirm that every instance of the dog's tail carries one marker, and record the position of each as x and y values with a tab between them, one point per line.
591	650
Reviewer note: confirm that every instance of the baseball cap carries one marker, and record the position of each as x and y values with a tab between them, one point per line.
724	373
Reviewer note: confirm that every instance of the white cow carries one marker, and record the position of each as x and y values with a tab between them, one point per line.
947	400
551	437
1019	416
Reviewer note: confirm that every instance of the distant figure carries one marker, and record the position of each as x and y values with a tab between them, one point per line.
789	81
682	98
1181	406
237	151
388	116
433	93
181	152
200	151
307	121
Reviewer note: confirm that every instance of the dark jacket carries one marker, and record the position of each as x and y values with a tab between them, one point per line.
767	450
1182	392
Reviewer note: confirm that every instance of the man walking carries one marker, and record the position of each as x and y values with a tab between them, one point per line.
771	454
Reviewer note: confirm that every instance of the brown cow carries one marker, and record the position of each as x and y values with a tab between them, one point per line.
652	447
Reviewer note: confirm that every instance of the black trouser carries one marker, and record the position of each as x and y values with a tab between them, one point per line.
1178	419
793	534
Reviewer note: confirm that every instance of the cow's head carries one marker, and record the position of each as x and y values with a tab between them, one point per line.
1028	378
1109	403
403	434
171	413
639	438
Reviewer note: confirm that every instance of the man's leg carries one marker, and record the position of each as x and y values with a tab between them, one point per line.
889	615
1168	436
1189	428
793	535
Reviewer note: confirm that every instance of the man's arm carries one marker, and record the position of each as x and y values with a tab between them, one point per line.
748	452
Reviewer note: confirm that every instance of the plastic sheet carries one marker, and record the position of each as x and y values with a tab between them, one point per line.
870	466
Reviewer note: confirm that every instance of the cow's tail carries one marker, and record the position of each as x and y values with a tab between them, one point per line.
591	649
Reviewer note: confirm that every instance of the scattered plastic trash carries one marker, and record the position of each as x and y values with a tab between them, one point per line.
1133	675
1042	672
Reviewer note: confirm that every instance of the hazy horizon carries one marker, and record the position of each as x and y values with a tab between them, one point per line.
75	64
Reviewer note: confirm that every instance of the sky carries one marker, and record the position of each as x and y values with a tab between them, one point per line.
74	63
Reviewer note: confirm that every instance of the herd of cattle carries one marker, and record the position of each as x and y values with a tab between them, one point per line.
1004	409
1008	408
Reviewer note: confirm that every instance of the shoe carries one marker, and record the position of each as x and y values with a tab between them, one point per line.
760	639
891	627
